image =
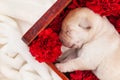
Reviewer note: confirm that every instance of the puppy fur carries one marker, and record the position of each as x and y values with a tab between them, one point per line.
96	44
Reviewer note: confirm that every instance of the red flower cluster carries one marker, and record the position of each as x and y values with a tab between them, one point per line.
47	46
82	75
102	7
105	7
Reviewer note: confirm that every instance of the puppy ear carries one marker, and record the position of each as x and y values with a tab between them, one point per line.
104	17
106	21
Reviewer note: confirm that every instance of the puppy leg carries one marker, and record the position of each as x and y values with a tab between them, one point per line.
71	65
67	54
69	57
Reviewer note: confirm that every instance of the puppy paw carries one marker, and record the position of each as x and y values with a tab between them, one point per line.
61	67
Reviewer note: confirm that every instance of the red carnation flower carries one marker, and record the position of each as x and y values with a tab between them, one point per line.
82	75
46	47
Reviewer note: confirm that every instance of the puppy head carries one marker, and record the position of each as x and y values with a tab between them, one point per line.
79	27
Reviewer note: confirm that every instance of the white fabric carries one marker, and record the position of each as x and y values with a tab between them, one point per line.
16	62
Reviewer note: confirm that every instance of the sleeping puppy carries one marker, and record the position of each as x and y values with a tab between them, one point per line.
96	44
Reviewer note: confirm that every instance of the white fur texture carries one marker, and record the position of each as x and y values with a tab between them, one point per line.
96	44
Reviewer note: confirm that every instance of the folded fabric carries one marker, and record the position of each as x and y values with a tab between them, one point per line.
16	62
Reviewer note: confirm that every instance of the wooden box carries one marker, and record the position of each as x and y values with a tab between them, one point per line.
42	23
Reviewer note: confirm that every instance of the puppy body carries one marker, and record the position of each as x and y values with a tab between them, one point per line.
97	43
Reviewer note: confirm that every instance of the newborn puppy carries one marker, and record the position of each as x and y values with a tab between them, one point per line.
97	43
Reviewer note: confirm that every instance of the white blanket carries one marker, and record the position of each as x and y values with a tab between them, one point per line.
16	62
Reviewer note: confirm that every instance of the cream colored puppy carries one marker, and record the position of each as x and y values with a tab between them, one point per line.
97	43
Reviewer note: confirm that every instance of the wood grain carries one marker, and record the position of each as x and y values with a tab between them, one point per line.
42	23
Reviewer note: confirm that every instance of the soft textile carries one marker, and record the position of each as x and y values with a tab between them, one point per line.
16	62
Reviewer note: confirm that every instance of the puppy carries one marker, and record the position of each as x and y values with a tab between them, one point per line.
97	43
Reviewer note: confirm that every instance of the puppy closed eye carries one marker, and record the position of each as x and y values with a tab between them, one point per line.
88	27
85	27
